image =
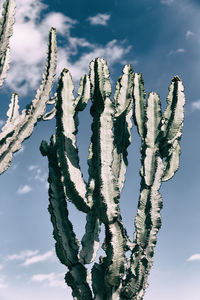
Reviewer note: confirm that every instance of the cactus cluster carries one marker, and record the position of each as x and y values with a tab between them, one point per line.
115	276
19	126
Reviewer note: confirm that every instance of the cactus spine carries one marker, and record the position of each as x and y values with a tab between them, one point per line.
115	276
20	126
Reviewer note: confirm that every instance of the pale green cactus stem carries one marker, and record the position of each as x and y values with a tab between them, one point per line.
6	30
160	136
20	126
108	150
66	129
67	245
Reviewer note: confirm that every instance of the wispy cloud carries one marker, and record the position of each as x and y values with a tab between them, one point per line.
29	257
1	267
99	19
3	284
22	255
37	174
24	189
38	258
2	122
195	105
167	2
189	33
194	257
51	279
177	51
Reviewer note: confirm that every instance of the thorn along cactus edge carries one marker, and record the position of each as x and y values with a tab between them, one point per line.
20	126
115	276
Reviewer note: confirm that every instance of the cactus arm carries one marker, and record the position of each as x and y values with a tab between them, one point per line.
150	145
25	122
171	130
13	112
174	113
53	99
172	161
115	247
139	104
147	224
90	240
49	115
66	129
106	205
6	30
100	289
67	245
83	93
122	124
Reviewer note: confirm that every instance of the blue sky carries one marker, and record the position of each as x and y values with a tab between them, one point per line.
160	39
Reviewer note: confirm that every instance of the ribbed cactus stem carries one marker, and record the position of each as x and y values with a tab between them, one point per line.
157	133
6	30
66	130
20	126
101	148
67	245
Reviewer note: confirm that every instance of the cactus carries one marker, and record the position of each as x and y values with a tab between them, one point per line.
20	126
115	276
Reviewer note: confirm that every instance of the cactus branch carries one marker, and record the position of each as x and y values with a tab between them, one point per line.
67	245
22	125
66	130
6	30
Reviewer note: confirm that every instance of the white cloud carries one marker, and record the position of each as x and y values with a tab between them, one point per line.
29	43
177	51
36	173
23	255
194	257
113	52
1	267
168	2
99	19
195	105
38	258
189	33
32	167
24	189
2	282
2	122
51	279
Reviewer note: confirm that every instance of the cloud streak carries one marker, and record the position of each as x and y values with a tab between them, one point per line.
22	255
177	51
167	2
50	279
24	189
194	257
99	19
195	105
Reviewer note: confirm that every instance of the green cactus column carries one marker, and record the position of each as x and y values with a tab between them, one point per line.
160	137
